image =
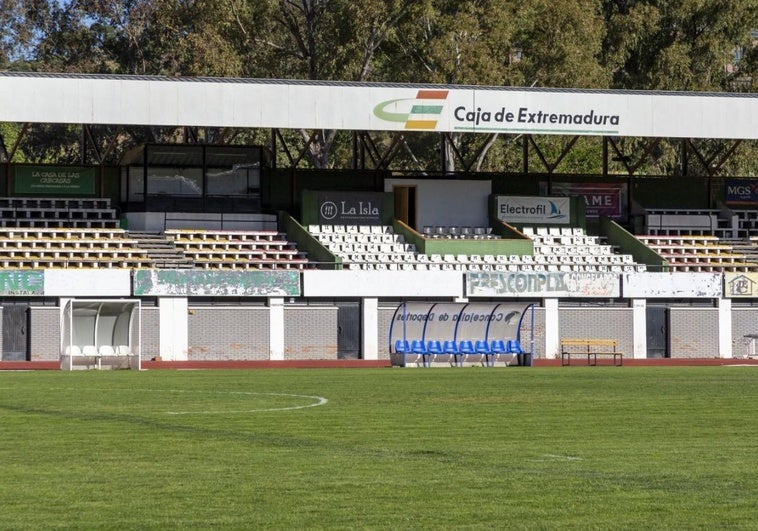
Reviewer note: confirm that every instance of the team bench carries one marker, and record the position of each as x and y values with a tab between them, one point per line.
592	348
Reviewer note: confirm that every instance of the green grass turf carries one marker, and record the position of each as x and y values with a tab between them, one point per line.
470	448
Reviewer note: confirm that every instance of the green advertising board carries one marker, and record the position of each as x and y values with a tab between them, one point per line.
53	180
183	283
22	283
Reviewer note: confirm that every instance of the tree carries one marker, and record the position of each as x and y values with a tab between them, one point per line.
676	44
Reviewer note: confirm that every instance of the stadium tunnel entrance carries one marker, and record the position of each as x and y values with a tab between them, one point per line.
462	333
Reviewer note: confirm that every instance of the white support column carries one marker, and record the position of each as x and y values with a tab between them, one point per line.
552	329
173	328
639	328
276	328
725	328
370	318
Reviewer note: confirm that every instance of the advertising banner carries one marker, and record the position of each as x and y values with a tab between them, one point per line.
533	210
742	192
350	208
600	199
542	284
672	285
22	283
53	180
299	104
741	285
185	283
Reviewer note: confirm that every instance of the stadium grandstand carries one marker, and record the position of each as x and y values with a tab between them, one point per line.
202	251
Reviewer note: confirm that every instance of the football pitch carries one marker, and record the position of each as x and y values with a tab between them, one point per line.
472	448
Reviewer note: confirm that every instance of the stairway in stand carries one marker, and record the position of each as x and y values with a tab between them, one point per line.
161	250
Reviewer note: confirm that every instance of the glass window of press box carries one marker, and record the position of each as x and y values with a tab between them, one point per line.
192	178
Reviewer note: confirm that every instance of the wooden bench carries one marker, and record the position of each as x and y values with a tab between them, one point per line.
592	348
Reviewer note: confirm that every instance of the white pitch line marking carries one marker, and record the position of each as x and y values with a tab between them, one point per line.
318	400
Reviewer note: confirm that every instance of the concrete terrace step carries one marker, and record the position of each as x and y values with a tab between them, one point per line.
161	250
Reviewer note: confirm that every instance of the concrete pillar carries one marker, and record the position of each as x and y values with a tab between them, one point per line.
370	318
725	328
552	329
173	328
639	328
276	328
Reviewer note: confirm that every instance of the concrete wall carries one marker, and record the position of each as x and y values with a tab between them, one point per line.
310	332
601	323
150	332
45	333
228	333
744	322
693	332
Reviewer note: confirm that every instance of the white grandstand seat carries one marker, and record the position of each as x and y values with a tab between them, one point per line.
91	351
73	350
106	350
123	350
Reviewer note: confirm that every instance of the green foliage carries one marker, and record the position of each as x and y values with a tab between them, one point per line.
474	448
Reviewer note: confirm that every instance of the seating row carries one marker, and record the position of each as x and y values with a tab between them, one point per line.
369	248
700	254
459	232
410	258
96	354
63	233
457	352
526	268
74	263
593	241
345	238
552	231
572	248
56	202
251	249
231	236
350	229
48	223
214	263
36	212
